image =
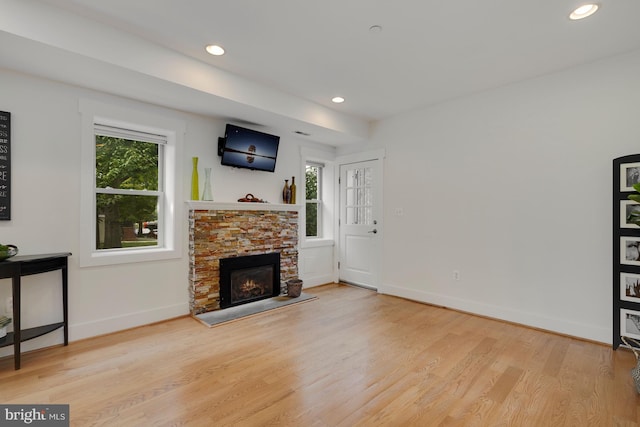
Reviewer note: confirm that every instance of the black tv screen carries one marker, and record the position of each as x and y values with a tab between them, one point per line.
250	149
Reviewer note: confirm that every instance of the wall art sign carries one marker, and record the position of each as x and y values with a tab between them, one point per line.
5	165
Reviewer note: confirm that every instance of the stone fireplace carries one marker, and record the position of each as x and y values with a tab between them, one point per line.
222	231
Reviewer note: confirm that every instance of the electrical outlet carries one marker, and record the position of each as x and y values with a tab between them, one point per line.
456	275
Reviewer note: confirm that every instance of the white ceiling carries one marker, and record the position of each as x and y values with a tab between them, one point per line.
428	51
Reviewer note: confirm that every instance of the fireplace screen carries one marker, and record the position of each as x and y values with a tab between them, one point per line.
249	278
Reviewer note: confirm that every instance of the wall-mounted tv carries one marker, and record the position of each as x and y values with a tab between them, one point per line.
249	149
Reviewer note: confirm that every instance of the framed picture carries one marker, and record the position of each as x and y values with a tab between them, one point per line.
630	287
626	208
629	175
630	323
630	250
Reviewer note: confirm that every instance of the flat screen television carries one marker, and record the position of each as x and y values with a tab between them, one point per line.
249	149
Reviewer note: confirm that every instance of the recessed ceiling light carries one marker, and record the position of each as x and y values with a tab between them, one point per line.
337	99
214	49
375	29
583	11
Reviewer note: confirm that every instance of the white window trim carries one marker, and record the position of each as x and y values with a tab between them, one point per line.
127	118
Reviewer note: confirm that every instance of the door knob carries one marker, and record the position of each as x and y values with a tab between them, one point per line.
374	231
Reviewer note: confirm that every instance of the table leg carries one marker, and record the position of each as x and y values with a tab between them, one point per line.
65	304
17	336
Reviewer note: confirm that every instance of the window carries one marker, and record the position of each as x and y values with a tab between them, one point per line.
129	188
359	196
317	217
129	185
313	206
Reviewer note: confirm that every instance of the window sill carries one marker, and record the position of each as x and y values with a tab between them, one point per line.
95	259
317	243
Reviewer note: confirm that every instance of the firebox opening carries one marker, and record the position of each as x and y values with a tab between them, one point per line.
249	278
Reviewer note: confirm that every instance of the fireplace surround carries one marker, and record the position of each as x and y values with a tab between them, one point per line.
219	230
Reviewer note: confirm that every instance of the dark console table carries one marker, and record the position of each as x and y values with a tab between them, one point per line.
26	265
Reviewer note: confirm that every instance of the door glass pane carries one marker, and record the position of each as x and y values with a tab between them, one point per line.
351	197
351	177
359	196
368	177
350	216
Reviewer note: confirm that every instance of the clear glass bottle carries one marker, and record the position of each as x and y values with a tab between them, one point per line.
206	195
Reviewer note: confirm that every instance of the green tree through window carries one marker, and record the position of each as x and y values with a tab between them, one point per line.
127	192
313	200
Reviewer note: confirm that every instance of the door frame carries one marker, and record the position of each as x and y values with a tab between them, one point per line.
377	155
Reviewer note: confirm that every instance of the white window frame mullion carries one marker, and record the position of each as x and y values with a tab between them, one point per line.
126	192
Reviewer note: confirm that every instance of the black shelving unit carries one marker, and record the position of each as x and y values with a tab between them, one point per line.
25	265
626	244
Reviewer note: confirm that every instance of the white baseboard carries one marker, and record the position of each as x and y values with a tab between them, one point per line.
317	280
80	331
561	326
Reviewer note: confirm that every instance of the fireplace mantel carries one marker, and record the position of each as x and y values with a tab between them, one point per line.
198	205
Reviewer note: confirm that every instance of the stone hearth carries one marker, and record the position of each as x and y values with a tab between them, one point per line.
224	230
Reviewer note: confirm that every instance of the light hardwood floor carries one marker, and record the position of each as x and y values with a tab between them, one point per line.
350	358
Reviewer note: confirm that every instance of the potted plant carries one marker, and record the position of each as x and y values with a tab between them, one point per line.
7	251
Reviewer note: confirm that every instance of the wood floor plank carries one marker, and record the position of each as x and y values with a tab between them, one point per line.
505	384
350	358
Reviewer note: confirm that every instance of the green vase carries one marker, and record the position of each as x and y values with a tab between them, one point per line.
194	179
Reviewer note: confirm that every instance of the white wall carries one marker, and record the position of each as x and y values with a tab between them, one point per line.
316	264
45	160
512	188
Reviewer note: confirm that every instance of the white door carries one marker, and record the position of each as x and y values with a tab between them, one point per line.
360	223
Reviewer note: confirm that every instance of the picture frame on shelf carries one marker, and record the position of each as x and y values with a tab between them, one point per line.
630	323
629	175
630	287
626	208
630	250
